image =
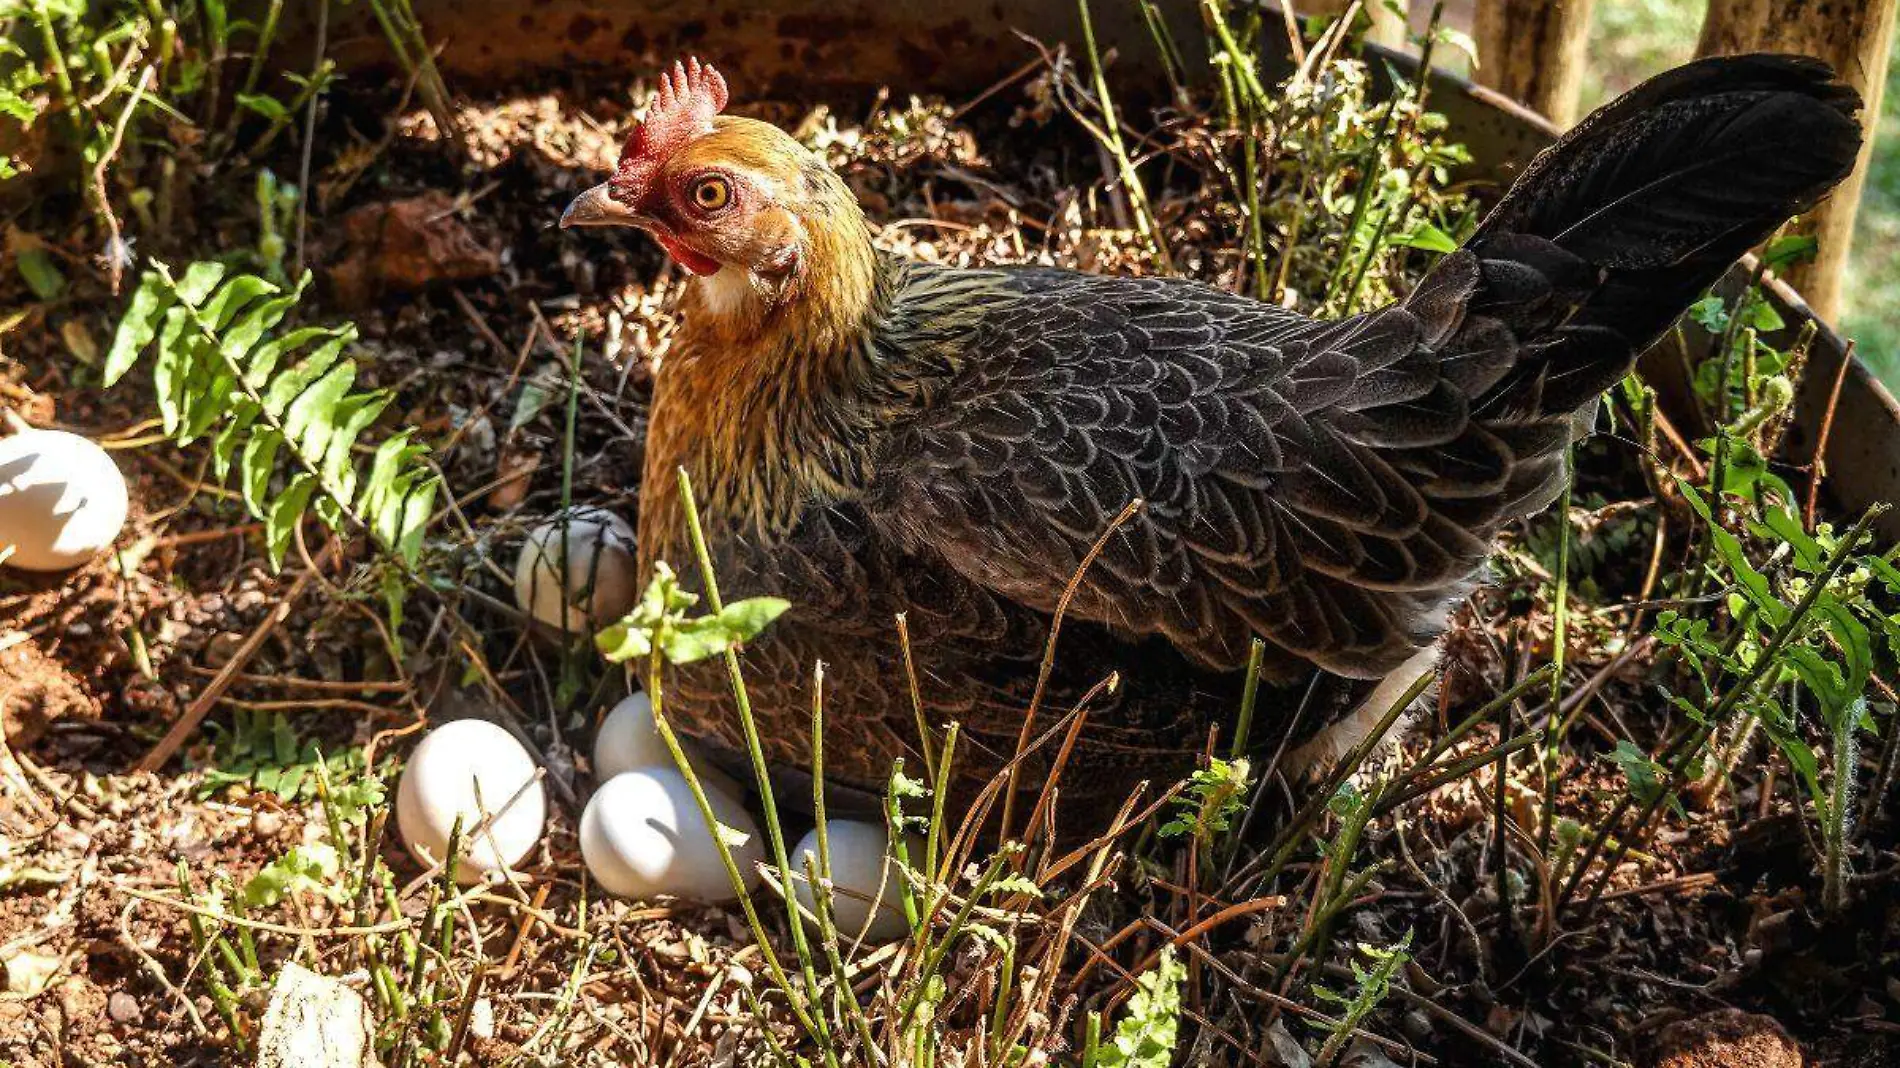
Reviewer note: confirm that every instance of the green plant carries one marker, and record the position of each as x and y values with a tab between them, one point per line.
22	101
302	869
260	750
222	370
1214	796
1373	985
1145	1036
1332	183
659	625
958	907
276	215
1804	630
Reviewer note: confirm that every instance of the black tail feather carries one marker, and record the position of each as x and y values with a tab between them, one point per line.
1611	233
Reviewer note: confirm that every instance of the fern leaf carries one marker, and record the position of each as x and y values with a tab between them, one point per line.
353	415
310	421
138	327
279	408
262	361
200	279
221	308
284	514
256	466
287	387
232	436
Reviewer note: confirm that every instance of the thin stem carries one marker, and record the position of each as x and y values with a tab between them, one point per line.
1111	137
762	773
1249	694
664	727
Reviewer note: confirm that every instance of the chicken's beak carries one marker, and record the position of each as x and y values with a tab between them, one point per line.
597	207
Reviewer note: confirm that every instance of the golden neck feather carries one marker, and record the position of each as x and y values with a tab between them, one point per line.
759	376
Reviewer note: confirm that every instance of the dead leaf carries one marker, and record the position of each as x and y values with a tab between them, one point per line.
29	973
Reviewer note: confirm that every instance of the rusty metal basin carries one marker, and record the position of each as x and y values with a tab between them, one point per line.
805	49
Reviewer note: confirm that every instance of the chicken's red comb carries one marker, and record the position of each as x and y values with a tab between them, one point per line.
683	109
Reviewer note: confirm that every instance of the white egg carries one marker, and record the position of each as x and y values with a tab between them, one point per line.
441	782
628	741
642	836
62	500
860	864
596	586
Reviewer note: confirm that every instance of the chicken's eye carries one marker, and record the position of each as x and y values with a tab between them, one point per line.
712	193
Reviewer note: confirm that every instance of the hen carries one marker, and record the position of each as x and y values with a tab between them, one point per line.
869	436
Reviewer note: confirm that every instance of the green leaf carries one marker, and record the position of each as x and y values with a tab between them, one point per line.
1753	584
138	326
200	279
244	332
287	387
1711	313
1784	525
1764	318
1145	1036
42	276
310	420
353	415
1644	775
171	368
283	515
17	107
305	868
417	509
266	105
1427	237
692	640
534	397
232	435
1789	249
262	362
623	641
904	786
255	467
1857	646
231	299
1888	574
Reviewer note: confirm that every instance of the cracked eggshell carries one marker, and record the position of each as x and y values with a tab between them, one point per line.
858	864
598	584
62	500
628	741
440	782
643	837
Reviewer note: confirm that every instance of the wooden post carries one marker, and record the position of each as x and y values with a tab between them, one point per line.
1855	37
1533	51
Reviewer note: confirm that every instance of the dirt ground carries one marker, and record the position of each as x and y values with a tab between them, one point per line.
1714	913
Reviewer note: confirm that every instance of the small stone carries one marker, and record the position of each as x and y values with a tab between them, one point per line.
124	1008
407	245
312	1021
221	648
1728	1038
